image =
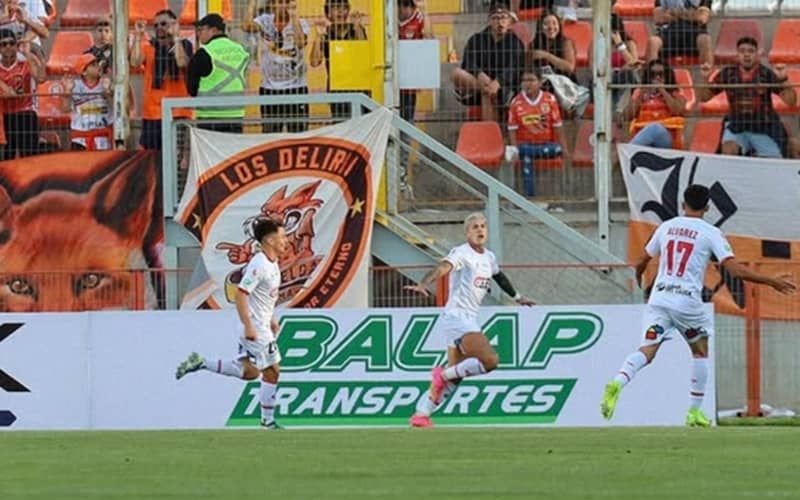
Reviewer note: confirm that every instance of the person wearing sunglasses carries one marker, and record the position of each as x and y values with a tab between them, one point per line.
17	87
164	59
656	110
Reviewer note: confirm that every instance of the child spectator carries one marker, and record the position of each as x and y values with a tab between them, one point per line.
89	98
103	49
17	88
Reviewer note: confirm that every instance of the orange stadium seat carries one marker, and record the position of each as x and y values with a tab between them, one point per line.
638	31
729	32
717	105
583	153
67	46
581	34
530	14
634	8
84	12
188	13
145	10
684	78
785	42
706	136
49	98
481	143
778	103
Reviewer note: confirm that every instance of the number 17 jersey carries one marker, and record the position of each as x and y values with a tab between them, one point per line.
685	246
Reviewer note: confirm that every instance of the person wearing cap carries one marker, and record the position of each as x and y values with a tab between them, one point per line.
17	88
283	65
490	70
103	48
88	99
339	24
165	59
218	68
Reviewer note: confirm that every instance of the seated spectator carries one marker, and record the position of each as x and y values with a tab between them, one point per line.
165	58
24	21
624	58
489	75
103	48
681	30
752	127
89	100
413	25
339	24
18	79
283	65
534	127
656	113
551	51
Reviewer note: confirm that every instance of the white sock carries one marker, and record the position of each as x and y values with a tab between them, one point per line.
467	368
267	398
633	363
425	405
230	368
697	390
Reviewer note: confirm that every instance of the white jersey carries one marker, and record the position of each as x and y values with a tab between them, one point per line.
685	245
283	65
261	282
470	278
91	108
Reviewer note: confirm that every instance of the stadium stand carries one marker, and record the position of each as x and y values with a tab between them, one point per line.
66	47
732	30
634	8
481	143
785	42
747	8
581	34
84	12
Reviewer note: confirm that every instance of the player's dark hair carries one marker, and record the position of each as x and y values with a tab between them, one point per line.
747	40
406	3
265	227
696	196
533	70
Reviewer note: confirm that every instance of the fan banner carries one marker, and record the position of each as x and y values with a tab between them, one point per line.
322	185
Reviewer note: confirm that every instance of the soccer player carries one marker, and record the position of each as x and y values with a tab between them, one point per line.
471	267
685	245
255	304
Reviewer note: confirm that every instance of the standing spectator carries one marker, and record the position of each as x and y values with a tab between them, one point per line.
656	114
681	30
489	75
534	127
17	87
165	59
89	100
283	65
25	23
339	24
413	25
218	68
752	126
103	49
551	51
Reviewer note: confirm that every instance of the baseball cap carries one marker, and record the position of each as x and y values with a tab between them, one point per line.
212	21
82	61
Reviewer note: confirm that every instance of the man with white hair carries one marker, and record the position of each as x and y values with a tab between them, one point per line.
471	266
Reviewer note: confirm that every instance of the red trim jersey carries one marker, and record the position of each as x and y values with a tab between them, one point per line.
18	76
412	28
535	120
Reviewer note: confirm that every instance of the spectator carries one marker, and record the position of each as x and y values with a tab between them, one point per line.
283	65
17	87
656	113
534	127
218	68
551	51
24	22
103	49
414	25
489	75
681	30
624	59
89	100
165	59
752	126
339	24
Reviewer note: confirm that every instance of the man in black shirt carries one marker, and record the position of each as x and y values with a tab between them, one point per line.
489	75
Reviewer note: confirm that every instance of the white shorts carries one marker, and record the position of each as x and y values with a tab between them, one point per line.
261	354
657	321
453	325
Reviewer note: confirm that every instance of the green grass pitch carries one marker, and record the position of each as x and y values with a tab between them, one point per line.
459	463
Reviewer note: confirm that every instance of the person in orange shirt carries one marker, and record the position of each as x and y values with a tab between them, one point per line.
165	59
534	127
656	110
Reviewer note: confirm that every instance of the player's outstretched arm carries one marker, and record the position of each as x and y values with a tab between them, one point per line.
442	269
738	270
505	284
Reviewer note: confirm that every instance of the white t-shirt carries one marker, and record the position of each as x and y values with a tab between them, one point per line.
283	65
685	245
91	110
470	278
261	282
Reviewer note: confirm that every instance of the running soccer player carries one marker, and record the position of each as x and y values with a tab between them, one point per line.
471	266
685	245
256	297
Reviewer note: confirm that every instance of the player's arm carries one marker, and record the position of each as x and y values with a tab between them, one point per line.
275	326
737	270
441	269
243	309
505	285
